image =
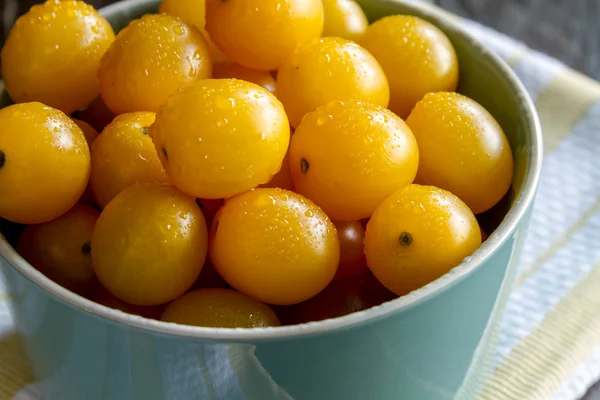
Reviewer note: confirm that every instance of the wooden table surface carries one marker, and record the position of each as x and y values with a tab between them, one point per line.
568	30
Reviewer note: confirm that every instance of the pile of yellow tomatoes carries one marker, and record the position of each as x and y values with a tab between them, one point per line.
242	163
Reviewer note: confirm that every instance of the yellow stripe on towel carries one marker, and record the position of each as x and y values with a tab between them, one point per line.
519	53
542	361
15	372
557	244
562	103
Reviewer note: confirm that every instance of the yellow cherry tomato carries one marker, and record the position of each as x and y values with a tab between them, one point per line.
345	19
417	235
352	249
219	308
259	35
44	163
484	236
275	246
282	179
123	155
61	249
463	149
149	244
338	299
90	135
417	57
96	114
53	52
89	132
107	299
348	157
221	137
151	59
193	12
237	71
326	70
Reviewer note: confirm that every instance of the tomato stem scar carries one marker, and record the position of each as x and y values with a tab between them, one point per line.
405	239
86	248
164	151
304	165
145	130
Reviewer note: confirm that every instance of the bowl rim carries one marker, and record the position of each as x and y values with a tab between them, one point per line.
494	242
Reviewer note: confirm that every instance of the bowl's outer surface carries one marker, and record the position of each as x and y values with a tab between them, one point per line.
440	347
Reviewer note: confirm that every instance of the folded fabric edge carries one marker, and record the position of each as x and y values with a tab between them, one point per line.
553	350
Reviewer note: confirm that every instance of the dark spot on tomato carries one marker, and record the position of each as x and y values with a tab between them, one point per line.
405	239
2	159
86	249
304	165
164	151
199	202
145	130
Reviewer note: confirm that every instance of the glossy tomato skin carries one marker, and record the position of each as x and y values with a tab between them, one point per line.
237	71
105	298
344	19
61	249
348	157
53	52
275	246
352	250
416	56
235	140
329	69
44	163
123	155
340	298
219	308
89	132
259	35
282	179
463	149
194	13
484	236
150	244
417	235
151	59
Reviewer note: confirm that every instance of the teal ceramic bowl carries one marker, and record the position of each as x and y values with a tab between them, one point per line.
435	343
